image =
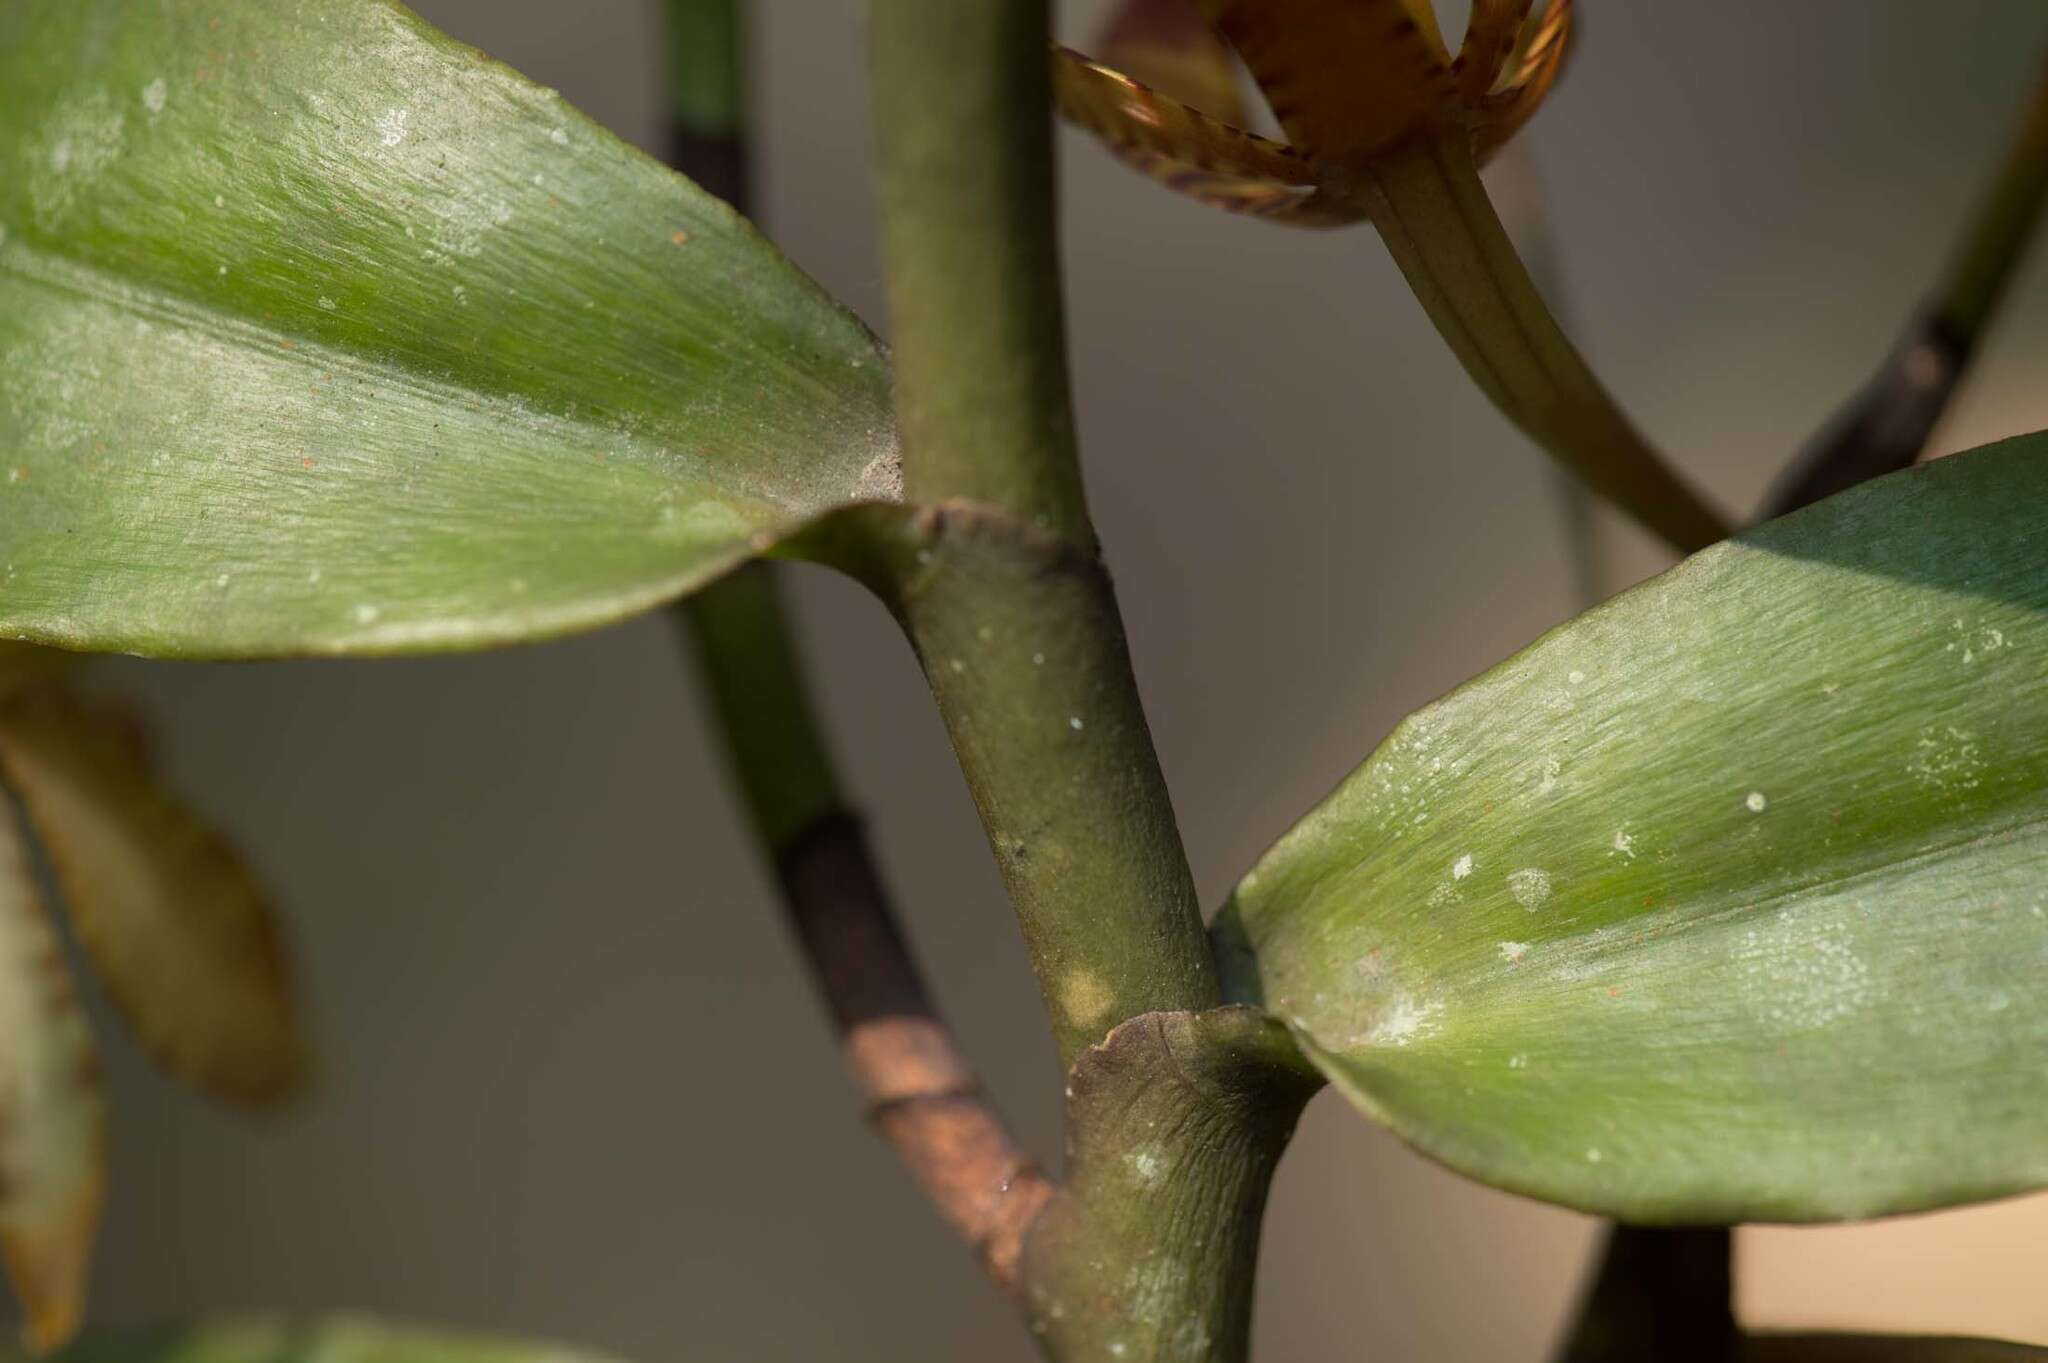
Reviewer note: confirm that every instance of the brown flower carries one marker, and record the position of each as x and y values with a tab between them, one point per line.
1349	81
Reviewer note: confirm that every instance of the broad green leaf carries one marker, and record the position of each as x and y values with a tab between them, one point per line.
321	333
337	1339
178	929
1726	901
52	1115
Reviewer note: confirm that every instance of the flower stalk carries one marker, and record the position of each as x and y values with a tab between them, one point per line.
1385	125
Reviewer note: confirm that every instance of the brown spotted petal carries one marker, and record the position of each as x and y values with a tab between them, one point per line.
173	920
1186	149
52	1115
1345	78
1168	46
1491	36
1531	72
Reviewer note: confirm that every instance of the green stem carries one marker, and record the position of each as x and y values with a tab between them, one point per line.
754	674
963	104
1009	606
997	581
1020	639
1425	198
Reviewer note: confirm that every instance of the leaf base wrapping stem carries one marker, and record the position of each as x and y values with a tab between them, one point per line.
1175	1123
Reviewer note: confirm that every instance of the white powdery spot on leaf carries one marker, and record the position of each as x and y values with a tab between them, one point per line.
391	126
1462	867
1624	844
1512	952
82	137
155	95
1804	975
1406	1019
1757	801
1530	886
1975	641
1947	759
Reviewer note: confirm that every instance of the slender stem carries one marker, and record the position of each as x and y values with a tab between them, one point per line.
707	96
753	672
1518	195
1996	240
1885	427
1425	198
916	1088
963	102
1008	605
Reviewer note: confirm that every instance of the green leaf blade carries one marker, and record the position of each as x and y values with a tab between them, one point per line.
320	333
1727	901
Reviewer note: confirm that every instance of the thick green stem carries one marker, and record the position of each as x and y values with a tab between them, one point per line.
997	581
1425	198
1019	636
1011	610
963	105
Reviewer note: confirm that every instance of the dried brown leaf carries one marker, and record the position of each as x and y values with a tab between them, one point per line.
52	1115
173	920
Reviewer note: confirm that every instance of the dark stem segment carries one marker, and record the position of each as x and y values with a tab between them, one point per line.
706	50
1425	197
1662	1294
917	1089
920	1094
915	1086
1886	426
717	161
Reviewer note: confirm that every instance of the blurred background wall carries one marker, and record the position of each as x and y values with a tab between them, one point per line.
574	1084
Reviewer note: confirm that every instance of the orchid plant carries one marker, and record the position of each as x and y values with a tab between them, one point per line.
321	334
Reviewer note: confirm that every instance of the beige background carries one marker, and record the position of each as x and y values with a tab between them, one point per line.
574	1084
